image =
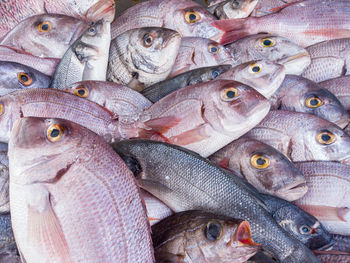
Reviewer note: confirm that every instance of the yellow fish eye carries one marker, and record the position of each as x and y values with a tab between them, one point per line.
213	231
147	40
267	42
254	68
260	162
44	26
213	49
313	102
55	132
2	109
192	17
229	94
326	137
81	91
24	78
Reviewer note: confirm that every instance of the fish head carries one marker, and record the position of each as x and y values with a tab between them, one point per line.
231	107
264	166
47	35
44	149
209	73
10	111
233	8
14	76
97	33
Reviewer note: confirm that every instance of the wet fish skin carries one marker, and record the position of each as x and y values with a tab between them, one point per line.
190	186
266	80
330	258
8	249
185	236
14	76
138	64
55	207
161	89
196	52
303	137
342	243
340	88
279	49
4	179
228	9
299	94
62	32
265	7
280	177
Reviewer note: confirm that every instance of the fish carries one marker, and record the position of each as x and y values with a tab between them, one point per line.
266	7
227	9
262	75
15	76
340	88
301	225
86	58
156	209
328	196
209	115
272	48
67	185
122	101
303	95
4	179
329	59
195	52
141	57
197	236
303	137
8	249
342	243
315	22
183	180
161	89
46	66
267	169
334	258
188	18
45	35
261	257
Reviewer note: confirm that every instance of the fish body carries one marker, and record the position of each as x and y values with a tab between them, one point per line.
196	52
302	95
303	137
143	56
197	236
228	9
262	75
341	243
161	89
266	7
262	166
185	181
340	88
331	258
72	197
4	179
209	115
8	249
272	48
14	77
328	195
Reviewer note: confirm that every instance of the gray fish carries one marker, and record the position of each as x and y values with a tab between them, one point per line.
302	95
185	181
192	77
14	76
8	249
227	9
341	243
4	179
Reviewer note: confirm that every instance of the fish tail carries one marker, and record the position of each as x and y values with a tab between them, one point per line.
103	9
236	28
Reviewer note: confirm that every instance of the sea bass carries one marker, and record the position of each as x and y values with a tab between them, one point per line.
316	21
68	186
340	87
263	166
227	9
209	115
197	236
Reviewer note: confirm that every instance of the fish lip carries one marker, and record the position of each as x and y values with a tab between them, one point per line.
342	123
293	191
171	37
328	246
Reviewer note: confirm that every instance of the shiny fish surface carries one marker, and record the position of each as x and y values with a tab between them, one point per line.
4	179
228	9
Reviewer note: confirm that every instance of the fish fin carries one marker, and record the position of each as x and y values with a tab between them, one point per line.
103	9
327	213
236	28
279	8
162	124
195	135
136	85
224	163
44	229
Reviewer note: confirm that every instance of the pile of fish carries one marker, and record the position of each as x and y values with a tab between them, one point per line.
175	131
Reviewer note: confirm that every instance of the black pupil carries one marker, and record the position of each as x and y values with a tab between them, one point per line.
81	92
91	30
230	94
256	69
149	40
213	231
260	161
305	229
192	17
313	102
267	42
24	78
215	74
214	49
55	133
326	137
45	27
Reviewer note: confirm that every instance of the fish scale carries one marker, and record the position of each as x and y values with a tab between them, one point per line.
340	88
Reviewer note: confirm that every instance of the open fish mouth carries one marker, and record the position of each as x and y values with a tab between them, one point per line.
296	64
342	123
293	191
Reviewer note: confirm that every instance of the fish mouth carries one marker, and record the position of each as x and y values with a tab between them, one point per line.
243	236
293	191
296	64
277	78
81	28
342	123
170	37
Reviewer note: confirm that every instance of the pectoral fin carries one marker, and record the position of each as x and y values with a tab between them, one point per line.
195	135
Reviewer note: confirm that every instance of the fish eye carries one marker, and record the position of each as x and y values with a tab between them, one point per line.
44	26
24	78
267	42
255	68
92	30
213	49
305	229
215	74
213	231
229	94
147	40
326	137
192	17
2	108
81	91
55	132
313	102
260	162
